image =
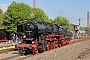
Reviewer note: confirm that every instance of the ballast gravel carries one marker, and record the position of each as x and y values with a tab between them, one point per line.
8	54
68	52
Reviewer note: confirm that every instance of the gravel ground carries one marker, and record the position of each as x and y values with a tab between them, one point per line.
17	58
5	55
85	55
68	52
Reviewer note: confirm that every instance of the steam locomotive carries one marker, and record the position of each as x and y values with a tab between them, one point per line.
41	36
4	35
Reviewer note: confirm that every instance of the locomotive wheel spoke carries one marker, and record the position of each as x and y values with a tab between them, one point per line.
43	45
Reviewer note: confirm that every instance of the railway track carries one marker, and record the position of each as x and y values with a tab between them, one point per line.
84	53
19	57
5	50
79	40
11	57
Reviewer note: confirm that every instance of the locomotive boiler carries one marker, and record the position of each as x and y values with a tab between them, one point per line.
41	36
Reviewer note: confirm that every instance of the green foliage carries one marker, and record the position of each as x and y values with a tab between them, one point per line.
1	17
1	11
87	29
40	15
19	13
16	14
61	21
51	21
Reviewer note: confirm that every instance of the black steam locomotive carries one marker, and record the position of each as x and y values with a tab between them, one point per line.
4	35
40	36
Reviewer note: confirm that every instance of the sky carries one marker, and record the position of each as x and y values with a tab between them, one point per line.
70	9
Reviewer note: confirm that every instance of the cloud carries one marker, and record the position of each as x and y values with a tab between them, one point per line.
3	7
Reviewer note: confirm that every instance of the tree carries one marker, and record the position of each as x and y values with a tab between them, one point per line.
16	14
51	21
61	21
1	17
40	15
87	29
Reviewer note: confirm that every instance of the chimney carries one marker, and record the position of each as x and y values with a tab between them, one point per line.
34	3
88	19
